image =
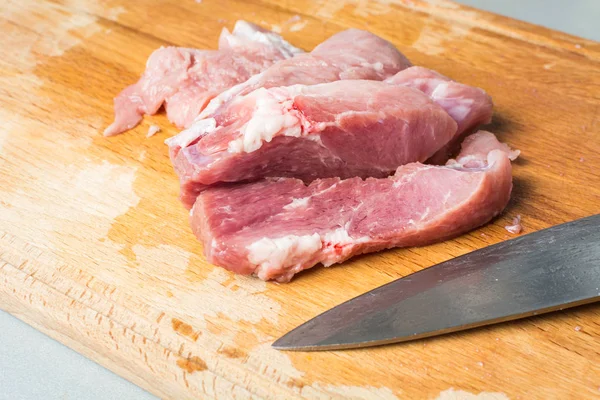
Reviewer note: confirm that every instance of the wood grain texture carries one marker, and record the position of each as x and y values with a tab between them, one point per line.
95	249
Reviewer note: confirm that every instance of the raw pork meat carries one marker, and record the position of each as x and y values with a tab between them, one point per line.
338	129
278	227
516	226
468	105
186	79
350	54
475	148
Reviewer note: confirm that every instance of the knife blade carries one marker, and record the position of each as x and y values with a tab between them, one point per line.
548	270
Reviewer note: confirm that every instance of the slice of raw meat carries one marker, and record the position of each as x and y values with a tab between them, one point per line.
278	227
468	105
350	54
338	129
186	79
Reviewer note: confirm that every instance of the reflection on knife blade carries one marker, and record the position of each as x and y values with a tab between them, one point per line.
548	270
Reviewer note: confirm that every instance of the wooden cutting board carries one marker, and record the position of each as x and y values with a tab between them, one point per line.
96	252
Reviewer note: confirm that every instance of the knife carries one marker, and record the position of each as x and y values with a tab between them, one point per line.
548	270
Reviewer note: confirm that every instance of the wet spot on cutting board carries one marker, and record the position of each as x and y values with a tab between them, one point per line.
185	329
436	39
50	31
42	32
81	201
157	218
192	364
329	10
373	8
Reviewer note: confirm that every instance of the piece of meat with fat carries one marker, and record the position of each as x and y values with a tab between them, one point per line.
338	129
278	227
350	54
185	80
468	105
475	148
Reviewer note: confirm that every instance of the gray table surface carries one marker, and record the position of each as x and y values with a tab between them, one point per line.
33	366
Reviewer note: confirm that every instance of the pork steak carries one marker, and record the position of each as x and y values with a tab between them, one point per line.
338	129
350	54
276	228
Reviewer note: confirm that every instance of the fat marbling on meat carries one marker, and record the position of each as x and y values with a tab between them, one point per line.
185	80
195	164
276	228
337	129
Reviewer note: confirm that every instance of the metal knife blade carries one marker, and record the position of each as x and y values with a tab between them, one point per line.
544	271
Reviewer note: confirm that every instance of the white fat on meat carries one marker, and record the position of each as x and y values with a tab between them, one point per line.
377	66
458	108
338	245
297	203
227	95
514	154
516	226
303	202
339	236
290	254
250	32
153	130
272	116
282	253
189	135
